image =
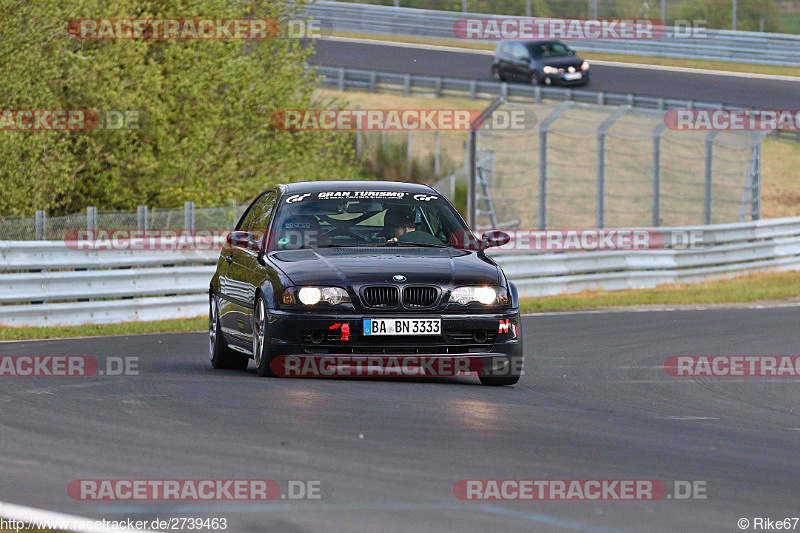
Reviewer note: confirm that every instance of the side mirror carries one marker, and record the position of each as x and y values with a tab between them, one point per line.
244	239
494	238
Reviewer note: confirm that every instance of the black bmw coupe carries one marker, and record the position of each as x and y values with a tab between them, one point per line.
347	269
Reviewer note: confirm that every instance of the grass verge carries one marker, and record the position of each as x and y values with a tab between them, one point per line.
766	288
126	328
771	70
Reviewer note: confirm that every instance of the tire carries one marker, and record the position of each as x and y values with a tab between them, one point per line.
510	374
497	74
222	357
261	351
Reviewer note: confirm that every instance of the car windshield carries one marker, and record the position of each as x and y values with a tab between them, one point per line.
365	218
548	50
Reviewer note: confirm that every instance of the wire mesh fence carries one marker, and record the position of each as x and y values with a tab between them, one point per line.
188	217
592	166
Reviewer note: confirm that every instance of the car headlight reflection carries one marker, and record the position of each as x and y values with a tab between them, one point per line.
483	295
550	70
315	295
585	66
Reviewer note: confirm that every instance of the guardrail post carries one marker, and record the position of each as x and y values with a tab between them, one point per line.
40	225
473	87
657	132
188	216
91	218
438	88
537	94
407	84
661	104
709	176
340	81
601	98
504	90
372	81
141	217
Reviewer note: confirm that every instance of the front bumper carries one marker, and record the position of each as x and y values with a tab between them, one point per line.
487	336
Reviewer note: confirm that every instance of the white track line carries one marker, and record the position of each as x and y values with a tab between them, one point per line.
721	307
642	66
31	515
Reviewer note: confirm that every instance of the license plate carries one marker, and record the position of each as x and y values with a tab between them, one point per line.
402	326
573	76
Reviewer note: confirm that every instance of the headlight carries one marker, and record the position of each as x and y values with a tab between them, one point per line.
483	295
550	70
314	295
585	66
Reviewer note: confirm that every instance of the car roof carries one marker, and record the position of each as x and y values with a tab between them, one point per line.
354	185
542	41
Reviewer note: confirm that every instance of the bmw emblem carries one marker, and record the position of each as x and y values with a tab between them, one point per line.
398	277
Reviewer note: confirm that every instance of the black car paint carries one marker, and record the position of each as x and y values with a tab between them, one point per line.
242	274
524	69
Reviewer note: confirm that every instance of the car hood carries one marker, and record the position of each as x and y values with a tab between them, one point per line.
359	266
562	62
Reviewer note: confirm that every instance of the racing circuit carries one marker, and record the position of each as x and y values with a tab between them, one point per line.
595	403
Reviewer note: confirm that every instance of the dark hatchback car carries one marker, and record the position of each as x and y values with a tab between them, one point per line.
539	62
395	262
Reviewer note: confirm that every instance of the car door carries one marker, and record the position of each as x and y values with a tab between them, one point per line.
235	298
522	61
247	270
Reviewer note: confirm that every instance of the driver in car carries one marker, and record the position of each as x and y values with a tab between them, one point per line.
398	221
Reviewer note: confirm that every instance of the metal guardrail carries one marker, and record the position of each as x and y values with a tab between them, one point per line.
45	283
718	45
408	84
415	84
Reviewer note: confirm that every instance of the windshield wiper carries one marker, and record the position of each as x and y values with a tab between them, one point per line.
424	244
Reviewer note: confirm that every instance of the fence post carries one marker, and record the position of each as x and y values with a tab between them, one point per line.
601	162
188	216
436	156
708	173
409	158
755	192
40	228
141	217
234	205
91	218
657	132
549	119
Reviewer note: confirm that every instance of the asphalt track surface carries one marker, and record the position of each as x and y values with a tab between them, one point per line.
731	90
595	403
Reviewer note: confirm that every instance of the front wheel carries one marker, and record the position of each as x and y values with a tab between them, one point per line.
261	344
497	74
222	357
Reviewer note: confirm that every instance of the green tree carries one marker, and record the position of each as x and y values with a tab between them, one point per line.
717	13
206	135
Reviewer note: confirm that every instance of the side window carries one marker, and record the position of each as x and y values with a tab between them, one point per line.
258	214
